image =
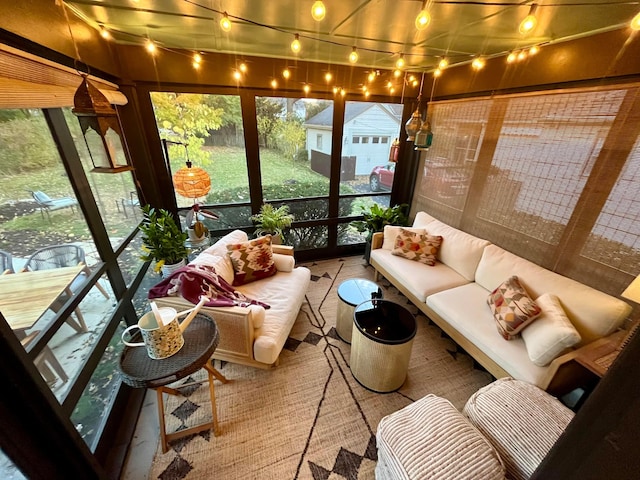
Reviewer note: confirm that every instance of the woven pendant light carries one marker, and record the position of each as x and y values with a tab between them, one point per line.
191	182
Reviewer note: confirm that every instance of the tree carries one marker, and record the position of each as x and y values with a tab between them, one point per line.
289	136
268	112
186	118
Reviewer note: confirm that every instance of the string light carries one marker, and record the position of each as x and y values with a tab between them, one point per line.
237	75
197	58
635	22
400	62
343	92
392	90
522	55
512	57
436	73
414	83
150	46
397	73
424	17
225	23
366	94
295	45
353	56
243	67
444	63
104	33
533	50
530	21
371	77
318	11
335	90
478	63
196	65
328	77
286	73
306	88
274	83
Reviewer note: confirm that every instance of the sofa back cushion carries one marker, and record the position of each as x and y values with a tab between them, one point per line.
220	247
594	314
459	250
422	220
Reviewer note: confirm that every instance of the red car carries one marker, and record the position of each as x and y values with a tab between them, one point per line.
381	177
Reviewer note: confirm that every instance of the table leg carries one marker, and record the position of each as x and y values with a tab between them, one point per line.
213	425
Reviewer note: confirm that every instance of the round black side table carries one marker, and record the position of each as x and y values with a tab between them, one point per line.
351	293
383	335
139	370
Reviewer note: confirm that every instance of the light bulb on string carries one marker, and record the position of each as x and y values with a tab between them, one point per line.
295	45
274	83
400	63
286	73
512	57
437	72
197	58
444	63
343	92
530	21
635	22
196	65
533	50
243	67
522	55
335	90
424	17
478	63
353	56
237	75
104	33
371	77
328	77
225	23
306	88
397	73
318	10
150	46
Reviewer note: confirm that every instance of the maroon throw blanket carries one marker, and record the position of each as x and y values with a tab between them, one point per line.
193	281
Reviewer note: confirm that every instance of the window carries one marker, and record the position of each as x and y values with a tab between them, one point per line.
319	141
384	139
365	139
356	140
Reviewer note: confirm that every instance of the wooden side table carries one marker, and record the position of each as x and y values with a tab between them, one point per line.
351	293
139	370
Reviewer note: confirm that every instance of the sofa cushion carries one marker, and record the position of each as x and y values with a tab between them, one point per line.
391	232
465	309
459	250
422	219
431	439
285	293
220	247
284	263
417	247
221	264
419	279
512	308
520	420
252	260
592	312
551	334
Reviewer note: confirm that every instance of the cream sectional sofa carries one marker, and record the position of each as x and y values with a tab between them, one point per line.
454	292
253	335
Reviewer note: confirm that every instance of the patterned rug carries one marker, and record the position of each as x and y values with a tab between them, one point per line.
309	418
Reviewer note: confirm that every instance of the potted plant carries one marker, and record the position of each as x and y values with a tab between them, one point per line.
376	217
162	240
273	221
196	228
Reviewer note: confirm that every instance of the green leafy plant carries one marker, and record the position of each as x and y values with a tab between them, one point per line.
272	220
376	217
162	239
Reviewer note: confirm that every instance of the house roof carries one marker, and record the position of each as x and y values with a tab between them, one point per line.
353	110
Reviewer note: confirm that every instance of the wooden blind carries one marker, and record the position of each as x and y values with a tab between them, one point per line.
551	176
27	81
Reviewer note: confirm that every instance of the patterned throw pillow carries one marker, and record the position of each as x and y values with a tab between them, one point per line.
416	246
252	260
512	308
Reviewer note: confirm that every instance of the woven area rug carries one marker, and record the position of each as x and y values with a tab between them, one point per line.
309	418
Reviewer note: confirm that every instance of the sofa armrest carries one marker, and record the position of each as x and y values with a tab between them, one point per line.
282	249
376	240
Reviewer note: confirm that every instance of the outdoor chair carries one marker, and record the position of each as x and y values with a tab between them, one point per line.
59	256
48	204
6	262
132	202
46	362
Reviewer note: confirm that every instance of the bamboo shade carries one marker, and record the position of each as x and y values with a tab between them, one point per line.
27	81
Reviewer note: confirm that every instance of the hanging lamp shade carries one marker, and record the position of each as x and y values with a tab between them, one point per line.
191	182
101	129
413	125
424	137
393	151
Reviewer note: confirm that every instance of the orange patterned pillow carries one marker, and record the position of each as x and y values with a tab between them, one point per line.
416	246
512	308
252	260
